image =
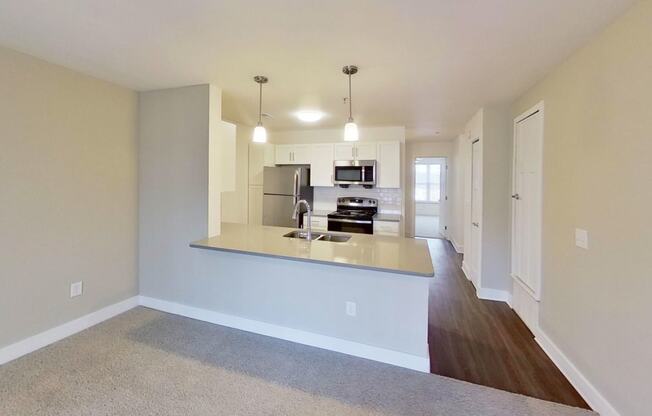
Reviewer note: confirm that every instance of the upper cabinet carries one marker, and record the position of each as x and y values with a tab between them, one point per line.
388	165
366	151
292	154
321	164
355	151
320	157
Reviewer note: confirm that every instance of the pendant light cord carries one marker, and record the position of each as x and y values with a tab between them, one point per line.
350	105
260	104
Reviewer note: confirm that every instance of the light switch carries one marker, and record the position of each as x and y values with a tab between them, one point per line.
582	238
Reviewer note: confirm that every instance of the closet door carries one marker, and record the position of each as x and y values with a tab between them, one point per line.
526	202
526	217
476	212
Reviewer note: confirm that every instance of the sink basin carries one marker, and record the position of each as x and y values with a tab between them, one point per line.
303	235
335	238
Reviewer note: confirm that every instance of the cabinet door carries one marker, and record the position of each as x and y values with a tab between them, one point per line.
389	165
301	154
321	165
344	151
386	228
318	224
284	154
365	151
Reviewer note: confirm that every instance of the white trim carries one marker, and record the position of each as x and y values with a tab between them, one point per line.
537	108
458	247
467	273
38	341
494	294
583	386
397	358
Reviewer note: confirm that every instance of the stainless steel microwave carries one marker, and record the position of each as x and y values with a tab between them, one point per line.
354	172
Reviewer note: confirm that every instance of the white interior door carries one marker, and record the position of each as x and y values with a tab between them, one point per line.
526	215
476	212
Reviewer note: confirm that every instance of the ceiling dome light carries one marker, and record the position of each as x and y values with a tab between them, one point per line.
309	116
260	134
350	128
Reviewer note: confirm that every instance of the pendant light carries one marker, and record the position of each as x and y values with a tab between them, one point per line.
350	128
260	134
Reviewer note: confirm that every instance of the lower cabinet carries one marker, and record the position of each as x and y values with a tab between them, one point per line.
319	223
390	228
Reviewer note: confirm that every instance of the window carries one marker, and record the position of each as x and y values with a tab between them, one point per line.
427	182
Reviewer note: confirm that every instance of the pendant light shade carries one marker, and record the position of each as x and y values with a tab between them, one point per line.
260	134
350	128
351	131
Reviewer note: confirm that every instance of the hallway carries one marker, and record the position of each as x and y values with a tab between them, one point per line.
485	342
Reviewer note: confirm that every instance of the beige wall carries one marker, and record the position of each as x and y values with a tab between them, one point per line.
68	194
596	303
414	150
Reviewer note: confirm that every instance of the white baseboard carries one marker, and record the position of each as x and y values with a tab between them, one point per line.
583	386
38	341
458	247
494	294
400	359
466	272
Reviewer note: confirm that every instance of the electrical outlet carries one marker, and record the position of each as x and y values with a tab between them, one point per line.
582	238
351	308
76	289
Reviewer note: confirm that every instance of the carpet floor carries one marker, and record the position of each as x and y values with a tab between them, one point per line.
146	362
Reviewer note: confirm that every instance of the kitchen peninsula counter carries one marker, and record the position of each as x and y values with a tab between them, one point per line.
405	256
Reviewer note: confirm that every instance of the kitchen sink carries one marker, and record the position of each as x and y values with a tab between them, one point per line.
303	235
335	238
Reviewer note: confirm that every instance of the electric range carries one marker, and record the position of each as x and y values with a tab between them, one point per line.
353	215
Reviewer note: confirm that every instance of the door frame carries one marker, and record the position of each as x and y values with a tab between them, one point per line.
443	200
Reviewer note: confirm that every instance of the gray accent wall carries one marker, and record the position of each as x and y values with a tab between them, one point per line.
68	195
173	201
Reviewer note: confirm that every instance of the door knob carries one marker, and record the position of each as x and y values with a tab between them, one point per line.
516	196
475	224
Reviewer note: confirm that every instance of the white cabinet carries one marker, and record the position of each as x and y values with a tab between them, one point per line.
321	164
365	151
344	151
319	223
388	165
292	154
260	155
357	151
389	228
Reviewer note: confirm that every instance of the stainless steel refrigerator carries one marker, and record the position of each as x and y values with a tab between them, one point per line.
283	186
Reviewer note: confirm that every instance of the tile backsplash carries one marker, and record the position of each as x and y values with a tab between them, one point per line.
389	200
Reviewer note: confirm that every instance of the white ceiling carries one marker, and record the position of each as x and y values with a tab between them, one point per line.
424	64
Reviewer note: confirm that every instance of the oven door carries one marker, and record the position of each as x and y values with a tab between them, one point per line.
346	225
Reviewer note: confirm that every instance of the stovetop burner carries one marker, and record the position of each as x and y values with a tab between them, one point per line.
355	208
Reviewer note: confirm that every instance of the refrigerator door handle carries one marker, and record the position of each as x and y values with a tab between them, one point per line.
297	176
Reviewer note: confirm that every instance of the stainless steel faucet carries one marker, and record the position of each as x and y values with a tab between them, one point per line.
308	211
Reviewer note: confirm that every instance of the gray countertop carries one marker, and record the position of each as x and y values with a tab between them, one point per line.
363	251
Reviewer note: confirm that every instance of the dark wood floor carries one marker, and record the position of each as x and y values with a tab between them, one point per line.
485	342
